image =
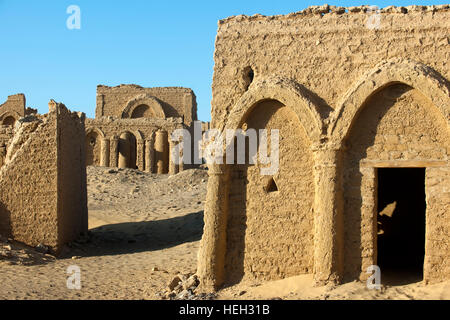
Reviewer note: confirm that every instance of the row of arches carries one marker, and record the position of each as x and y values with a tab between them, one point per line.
126	151
131	150
322	216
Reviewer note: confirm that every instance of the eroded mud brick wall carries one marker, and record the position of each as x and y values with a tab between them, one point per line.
72	188
29	184
326	53
42	200
351	90
437	246
6	133
175	101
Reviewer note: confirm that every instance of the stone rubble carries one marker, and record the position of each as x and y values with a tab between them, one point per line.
183	287
13	253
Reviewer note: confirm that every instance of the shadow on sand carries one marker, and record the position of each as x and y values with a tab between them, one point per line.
133	237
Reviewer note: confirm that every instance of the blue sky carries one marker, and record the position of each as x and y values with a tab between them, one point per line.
150	43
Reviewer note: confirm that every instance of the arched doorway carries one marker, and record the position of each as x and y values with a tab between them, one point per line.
142	111
9	121
397	136
127	150
270	222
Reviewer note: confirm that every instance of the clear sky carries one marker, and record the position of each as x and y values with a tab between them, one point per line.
149	43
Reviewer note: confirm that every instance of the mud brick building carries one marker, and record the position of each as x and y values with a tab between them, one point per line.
133	125
363	112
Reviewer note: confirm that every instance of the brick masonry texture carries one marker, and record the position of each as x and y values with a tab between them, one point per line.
43	190
348	97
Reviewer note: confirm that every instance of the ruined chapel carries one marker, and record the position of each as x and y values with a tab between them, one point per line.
363	112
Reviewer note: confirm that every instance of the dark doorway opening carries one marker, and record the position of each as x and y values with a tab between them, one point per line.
401	224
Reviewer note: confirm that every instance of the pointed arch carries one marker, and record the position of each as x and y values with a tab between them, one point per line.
416	75
282	104
95	130
7	117
142	104
286	91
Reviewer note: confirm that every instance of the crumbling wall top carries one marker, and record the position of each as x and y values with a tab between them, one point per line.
325	49
174	101
337	10
103	88
139	121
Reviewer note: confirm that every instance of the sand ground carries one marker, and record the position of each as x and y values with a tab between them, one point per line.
144	230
